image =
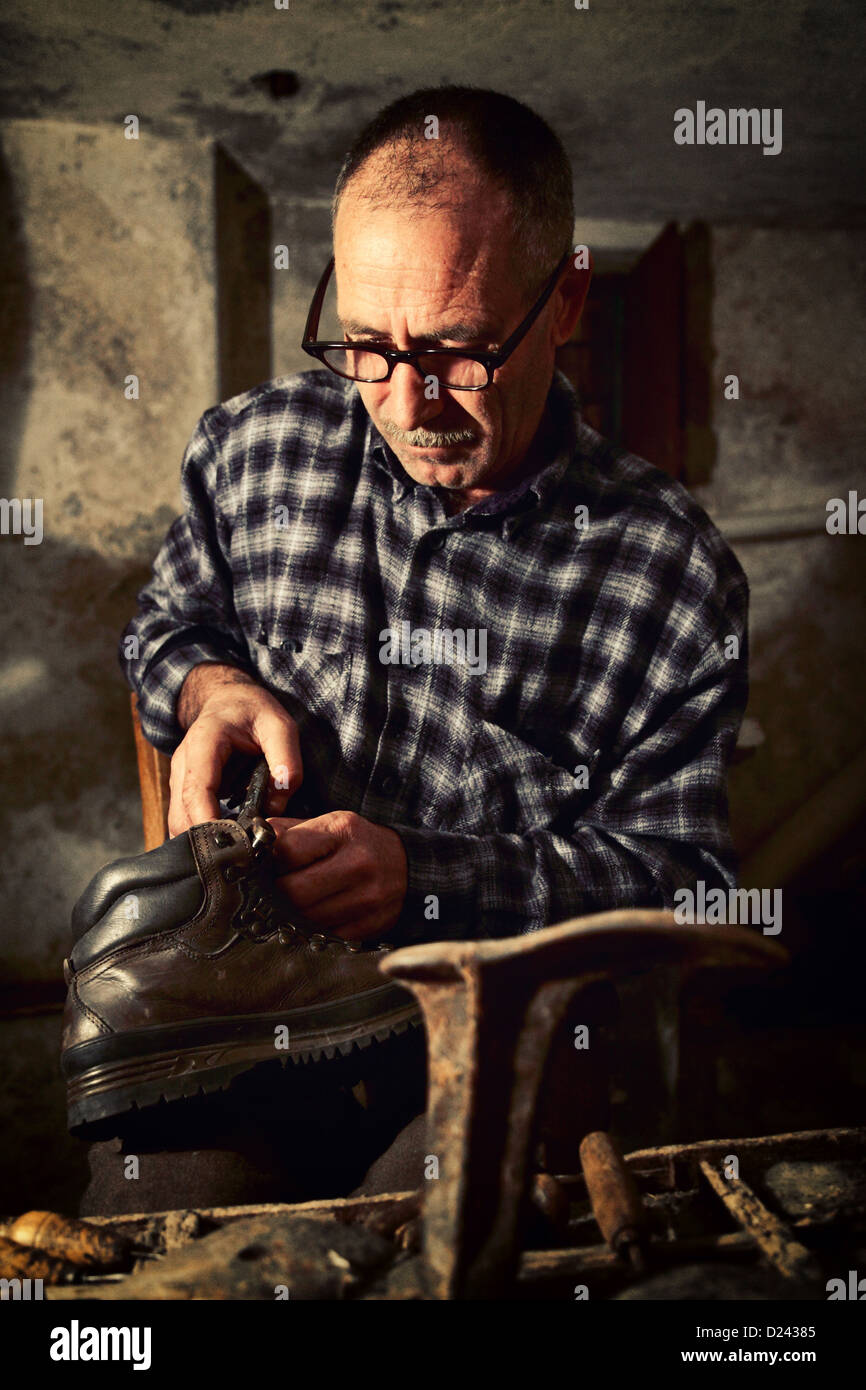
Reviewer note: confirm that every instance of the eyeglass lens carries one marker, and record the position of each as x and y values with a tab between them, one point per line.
359	364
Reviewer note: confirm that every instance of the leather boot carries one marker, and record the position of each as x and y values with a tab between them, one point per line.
186	971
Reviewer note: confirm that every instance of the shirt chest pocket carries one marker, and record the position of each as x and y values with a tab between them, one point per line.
307	667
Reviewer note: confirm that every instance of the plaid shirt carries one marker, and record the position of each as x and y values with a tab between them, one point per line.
584	769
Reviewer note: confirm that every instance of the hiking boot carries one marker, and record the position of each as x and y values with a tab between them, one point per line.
186	971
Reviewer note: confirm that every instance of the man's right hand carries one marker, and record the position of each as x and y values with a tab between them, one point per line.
223	710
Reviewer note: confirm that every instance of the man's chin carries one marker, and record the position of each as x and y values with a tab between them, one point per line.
454	467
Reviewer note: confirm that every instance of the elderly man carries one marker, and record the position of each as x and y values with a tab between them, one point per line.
496	666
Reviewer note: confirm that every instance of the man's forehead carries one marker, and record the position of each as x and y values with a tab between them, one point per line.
447	303
422	266
474	222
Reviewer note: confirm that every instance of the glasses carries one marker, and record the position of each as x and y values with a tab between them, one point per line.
452	367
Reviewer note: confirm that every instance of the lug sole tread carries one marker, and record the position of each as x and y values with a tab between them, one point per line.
112	1090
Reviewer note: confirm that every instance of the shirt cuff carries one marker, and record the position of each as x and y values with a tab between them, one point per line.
441	892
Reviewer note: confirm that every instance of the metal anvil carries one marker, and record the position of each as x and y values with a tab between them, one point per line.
491	1009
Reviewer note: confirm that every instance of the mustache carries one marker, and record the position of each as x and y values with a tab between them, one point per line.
427	439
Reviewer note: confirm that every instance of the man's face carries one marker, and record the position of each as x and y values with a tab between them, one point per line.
445	278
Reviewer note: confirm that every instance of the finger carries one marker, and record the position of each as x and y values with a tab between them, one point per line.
281	823
304	843
176	821
278	740
205	758
348	913
310	886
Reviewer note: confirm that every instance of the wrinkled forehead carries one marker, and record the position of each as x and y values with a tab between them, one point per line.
389	253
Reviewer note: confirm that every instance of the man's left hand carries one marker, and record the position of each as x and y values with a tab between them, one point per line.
344	874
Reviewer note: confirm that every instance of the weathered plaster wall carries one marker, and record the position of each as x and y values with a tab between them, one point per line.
108	258
609	77
304	227
789	319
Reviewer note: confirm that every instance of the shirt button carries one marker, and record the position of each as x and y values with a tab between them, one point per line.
438	542
292	644
263	634
389	784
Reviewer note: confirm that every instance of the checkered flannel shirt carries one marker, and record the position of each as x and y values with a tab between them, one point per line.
584	770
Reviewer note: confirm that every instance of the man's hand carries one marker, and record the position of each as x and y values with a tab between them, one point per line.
346	876
223	710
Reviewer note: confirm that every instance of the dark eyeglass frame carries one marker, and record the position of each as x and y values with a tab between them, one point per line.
489	360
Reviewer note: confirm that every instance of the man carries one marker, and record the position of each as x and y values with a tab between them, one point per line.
488	657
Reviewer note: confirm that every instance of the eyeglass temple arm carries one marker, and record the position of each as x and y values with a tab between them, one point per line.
316	306
524	327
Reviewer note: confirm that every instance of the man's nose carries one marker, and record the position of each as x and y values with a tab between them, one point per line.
412	399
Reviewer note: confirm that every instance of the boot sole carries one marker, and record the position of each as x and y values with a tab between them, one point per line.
111	1076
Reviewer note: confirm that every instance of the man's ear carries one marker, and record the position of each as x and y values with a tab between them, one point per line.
571	297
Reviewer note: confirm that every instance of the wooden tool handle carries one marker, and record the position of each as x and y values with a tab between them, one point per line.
616	1202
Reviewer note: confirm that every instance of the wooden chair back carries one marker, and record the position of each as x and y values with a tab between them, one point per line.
153	772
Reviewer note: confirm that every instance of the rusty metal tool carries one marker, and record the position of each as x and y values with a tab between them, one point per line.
774	1237
491	1009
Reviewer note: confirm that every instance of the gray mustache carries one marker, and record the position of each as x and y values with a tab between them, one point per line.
427	439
